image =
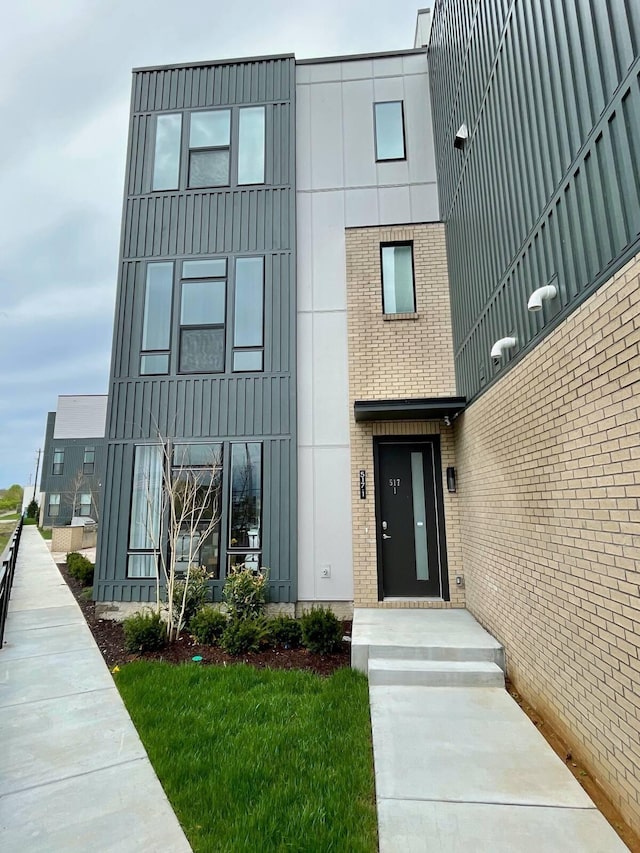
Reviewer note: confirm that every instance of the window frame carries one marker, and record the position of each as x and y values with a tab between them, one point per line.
184	164
404	133
156	352
57	464
236	550
394	244
57	504
248	349
84	505
89	462
228	148
203	326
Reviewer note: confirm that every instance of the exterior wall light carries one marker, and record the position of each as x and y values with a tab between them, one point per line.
461	136
549	291
451	479
498	349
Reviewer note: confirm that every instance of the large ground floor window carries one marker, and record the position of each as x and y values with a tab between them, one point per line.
183	514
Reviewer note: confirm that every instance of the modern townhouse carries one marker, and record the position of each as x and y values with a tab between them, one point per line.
395	297
73	460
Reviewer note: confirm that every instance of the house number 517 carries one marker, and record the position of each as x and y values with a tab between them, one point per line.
394	482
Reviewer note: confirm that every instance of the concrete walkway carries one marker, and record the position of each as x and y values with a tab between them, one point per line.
462	768
74	775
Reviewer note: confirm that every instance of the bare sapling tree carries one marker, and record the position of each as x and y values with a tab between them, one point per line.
81	485
185	512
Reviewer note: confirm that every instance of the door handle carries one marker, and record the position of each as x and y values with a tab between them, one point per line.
386	536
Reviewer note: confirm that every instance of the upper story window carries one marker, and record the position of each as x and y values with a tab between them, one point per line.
58	461
389	130
205	313
212	138
398	291
202	316
88	463
166	166
209	141
156	325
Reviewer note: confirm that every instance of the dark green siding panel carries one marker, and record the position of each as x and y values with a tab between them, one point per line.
547	187
189	223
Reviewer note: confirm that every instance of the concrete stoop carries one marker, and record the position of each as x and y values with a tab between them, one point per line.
430	648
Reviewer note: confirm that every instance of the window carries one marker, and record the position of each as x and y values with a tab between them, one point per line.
166	164
398	295
389	130
248	321
58	461
53	509
209	141
146	503
197	478
84	507
251	145
88	463
245	506
156	328
202	316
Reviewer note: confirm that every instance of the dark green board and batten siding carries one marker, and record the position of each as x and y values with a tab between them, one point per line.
547	187
175	225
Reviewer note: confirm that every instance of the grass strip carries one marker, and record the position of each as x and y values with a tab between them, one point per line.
259	760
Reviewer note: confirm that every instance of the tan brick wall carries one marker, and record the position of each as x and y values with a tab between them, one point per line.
391	357
549	491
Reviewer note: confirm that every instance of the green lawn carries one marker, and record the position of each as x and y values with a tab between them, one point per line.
4	538
46	534
259	760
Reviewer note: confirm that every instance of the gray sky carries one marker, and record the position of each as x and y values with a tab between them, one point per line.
64	99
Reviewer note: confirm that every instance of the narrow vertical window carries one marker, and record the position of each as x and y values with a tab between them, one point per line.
389	128
251	134
144	530
146	509
202	316
398	295
58	461
84	505
156	328
209	140
53	509
166	164
248	319
88	462
245	510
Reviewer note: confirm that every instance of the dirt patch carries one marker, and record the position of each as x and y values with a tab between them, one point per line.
603	803
109	636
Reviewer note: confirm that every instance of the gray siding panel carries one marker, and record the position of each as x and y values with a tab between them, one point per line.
186	223
551	96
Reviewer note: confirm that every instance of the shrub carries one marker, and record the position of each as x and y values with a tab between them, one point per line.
197	592
32	509
285	631
245	592
144	632
80	568
208	625
244	635
321	631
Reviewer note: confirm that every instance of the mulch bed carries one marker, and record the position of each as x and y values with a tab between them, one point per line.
109	636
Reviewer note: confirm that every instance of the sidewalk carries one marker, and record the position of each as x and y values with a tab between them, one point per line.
74	775
458	765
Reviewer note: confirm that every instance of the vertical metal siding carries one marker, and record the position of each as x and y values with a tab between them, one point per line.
549	181
192	223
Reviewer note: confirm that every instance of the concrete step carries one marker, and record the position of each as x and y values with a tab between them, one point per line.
439	652
434	673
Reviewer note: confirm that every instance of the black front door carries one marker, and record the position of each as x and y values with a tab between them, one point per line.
409	510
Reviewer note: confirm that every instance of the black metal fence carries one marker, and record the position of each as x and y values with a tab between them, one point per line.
7	569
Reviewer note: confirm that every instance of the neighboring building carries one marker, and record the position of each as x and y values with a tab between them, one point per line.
73	461
545	191
318	258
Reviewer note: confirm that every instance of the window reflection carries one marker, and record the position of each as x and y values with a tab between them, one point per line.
166	166
246	496
251	132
